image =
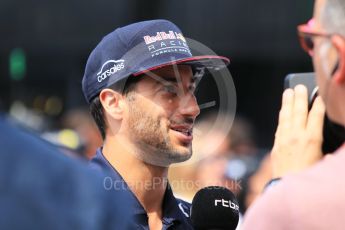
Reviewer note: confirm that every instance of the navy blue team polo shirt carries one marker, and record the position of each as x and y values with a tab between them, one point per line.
175	211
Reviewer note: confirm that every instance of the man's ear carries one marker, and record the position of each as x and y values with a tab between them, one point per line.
339	72
112	103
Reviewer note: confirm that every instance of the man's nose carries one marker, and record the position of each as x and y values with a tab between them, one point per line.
189	106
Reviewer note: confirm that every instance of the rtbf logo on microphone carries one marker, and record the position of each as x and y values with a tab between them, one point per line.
214	207
114	66
226	204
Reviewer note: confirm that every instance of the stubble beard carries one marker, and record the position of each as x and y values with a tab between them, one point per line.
151	138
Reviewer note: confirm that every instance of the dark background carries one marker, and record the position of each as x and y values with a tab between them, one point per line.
57	36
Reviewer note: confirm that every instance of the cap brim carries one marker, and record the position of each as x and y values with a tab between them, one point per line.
208	61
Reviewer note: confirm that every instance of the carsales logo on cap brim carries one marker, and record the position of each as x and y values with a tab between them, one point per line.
110	67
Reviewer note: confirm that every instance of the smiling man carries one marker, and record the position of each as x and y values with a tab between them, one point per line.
140	82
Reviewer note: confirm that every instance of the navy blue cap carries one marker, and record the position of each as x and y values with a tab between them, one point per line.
136	49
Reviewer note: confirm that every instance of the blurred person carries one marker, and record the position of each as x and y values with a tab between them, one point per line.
251	173
140	85
68	141
212	171
41	188
311	198
257	181
245	157
213	153
80	121
242	136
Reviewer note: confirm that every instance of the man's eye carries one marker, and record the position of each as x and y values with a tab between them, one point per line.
170	89
192	88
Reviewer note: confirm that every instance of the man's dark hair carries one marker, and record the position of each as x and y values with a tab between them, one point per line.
125	86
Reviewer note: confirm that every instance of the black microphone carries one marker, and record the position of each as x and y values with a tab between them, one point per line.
214	208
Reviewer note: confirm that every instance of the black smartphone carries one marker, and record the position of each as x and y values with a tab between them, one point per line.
307	79
333	134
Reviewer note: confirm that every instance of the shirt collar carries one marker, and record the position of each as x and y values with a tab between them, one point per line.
171	211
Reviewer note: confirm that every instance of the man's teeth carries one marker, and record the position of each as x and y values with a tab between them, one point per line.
184	131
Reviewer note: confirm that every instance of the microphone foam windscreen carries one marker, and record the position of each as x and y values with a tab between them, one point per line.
214	207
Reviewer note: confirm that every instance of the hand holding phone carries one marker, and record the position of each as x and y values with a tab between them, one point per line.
298	137
333	134
306	79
